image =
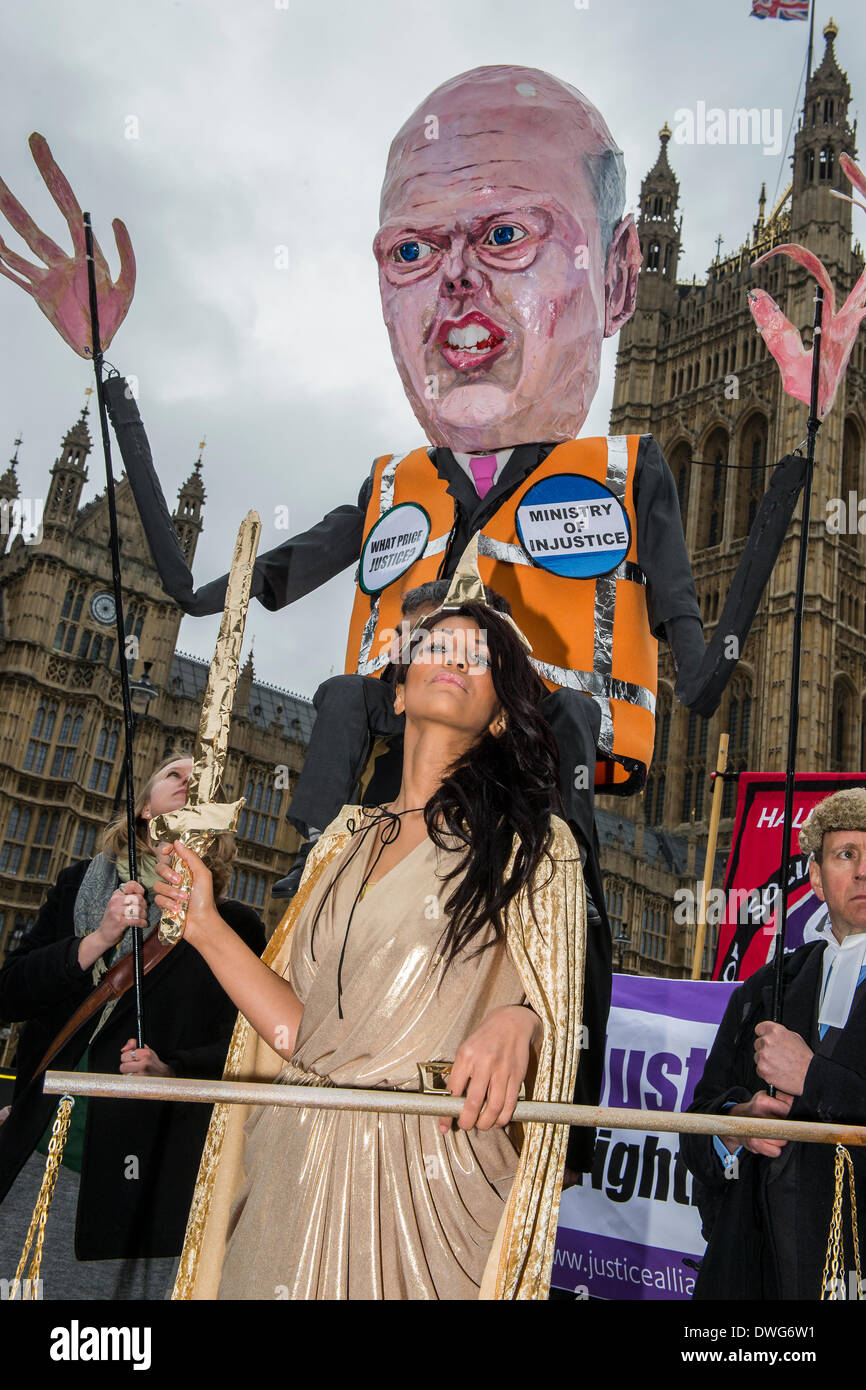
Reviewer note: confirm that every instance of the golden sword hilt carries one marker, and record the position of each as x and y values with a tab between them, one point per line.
197	827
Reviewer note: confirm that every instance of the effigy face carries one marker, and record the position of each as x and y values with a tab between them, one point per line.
503	262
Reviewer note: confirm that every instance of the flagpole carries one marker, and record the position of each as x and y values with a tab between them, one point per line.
812	427
811	42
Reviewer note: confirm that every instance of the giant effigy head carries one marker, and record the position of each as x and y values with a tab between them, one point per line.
504	258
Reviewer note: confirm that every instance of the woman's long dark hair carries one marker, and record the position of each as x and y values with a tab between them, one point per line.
499	788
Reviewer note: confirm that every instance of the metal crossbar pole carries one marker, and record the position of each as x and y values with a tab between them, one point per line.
434	1103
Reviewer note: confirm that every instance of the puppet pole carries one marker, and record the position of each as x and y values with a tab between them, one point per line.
76	1083
114	546
813	425
710	860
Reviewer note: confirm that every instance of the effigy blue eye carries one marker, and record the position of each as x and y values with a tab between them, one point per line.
409	251
503	236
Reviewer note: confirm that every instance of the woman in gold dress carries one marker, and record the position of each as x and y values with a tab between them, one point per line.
449	925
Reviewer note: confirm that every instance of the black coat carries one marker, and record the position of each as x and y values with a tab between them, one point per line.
188	1023
743	1259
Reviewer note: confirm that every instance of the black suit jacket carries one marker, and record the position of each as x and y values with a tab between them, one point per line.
188	1020
742	1257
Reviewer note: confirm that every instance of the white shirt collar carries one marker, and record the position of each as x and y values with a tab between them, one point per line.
842	963
502	457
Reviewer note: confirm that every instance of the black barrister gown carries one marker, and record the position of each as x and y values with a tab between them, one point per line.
188	1022
767	1228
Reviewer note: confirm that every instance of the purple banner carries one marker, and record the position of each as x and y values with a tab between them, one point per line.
630	1229
607	1267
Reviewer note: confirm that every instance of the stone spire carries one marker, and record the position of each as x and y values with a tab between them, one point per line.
657	224
818	220
9	488
187	515
245	682
69	473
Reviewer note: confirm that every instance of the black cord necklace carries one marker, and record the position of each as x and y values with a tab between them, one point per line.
378	816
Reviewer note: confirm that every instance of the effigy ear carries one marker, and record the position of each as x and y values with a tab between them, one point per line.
621	277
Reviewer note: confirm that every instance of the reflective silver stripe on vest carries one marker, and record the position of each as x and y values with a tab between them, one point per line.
386	498
436	546
601	688
605	598
501	550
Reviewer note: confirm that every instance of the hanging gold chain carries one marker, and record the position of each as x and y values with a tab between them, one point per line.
834	1263
59	1131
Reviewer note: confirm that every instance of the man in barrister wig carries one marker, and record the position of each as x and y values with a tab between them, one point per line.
504	262
767	1204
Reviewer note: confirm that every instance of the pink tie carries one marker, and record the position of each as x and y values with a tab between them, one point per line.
483	470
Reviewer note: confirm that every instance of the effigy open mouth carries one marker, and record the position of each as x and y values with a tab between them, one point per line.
471	341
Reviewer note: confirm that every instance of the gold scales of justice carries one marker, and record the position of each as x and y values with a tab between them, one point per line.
196	825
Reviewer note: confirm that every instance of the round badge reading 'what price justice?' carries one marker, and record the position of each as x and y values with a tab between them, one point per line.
397	540
573	526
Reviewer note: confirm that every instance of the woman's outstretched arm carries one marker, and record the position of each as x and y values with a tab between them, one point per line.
263	997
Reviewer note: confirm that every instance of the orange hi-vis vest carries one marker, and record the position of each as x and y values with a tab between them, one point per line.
588	633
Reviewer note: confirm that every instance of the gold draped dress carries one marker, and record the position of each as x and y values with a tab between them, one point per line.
316	1204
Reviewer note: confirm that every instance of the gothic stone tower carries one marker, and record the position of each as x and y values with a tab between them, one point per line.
692	371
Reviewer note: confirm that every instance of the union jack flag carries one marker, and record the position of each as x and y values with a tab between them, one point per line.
780	9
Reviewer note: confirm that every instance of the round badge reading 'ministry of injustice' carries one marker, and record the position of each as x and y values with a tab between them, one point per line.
393	545
573	526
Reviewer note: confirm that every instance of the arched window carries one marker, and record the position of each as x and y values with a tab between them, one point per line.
825	164
686	810
850	484
15	839
809	165
103	762
67	741
258	819
40	737
843	736
681	467
750	476
739	727
654	792
713	490
652	262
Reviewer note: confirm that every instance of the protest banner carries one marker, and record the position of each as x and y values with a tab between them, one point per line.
746	912
630	1229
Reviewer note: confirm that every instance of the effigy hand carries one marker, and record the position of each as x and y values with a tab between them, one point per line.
59	285
838	331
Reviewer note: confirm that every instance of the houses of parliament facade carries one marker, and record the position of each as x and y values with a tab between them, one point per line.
692	371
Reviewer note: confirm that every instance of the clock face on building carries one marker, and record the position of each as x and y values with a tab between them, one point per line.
103	609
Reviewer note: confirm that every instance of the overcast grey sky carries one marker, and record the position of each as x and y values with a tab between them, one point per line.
262	124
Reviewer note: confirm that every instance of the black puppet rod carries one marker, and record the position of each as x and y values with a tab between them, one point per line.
813	425
114	547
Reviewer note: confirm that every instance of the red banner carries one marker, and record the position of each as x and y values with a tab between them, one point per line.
747	925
